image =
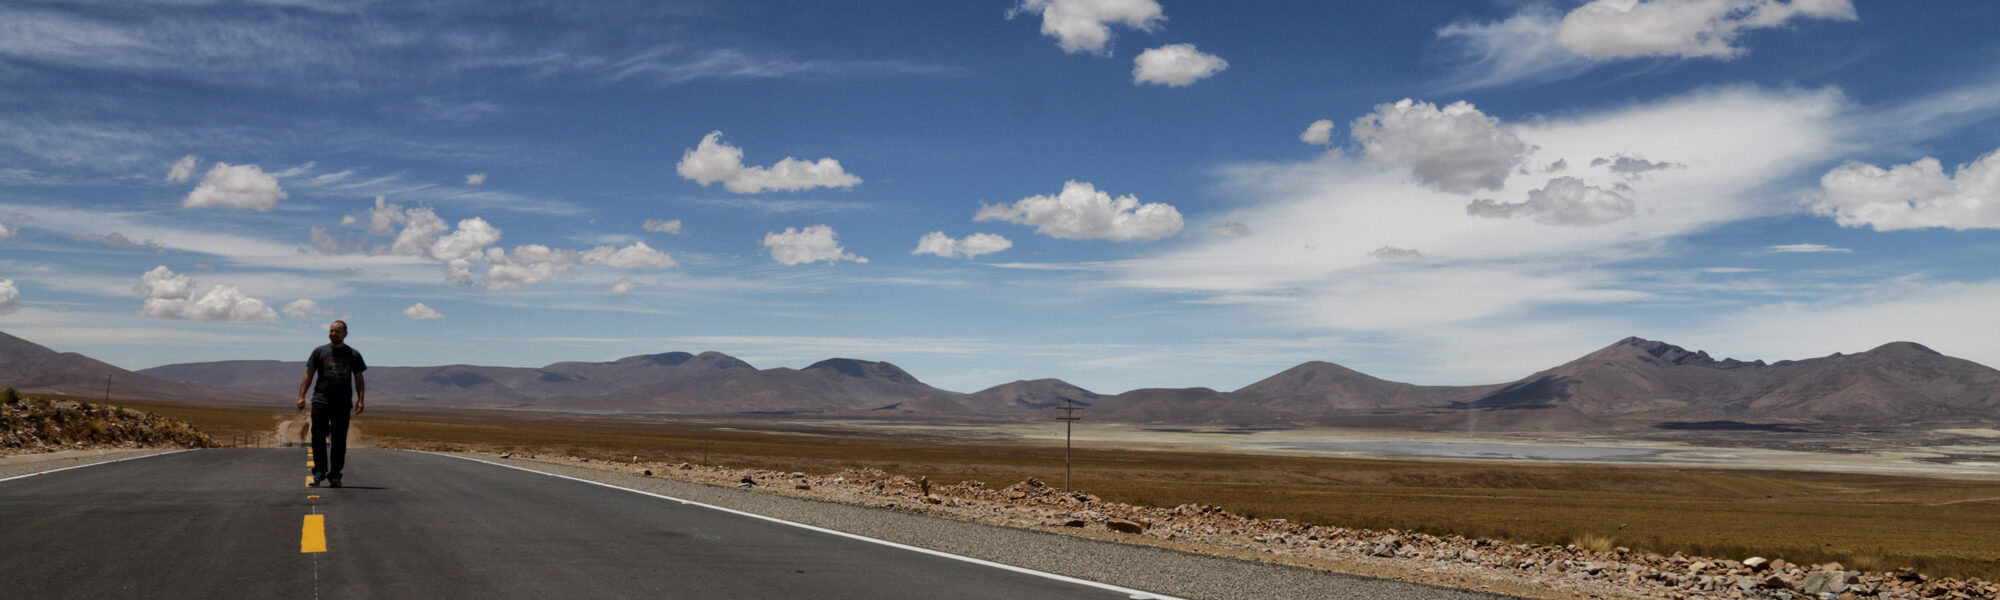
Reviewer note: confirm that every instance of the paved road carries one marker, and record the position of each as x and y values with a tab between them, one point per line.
235	523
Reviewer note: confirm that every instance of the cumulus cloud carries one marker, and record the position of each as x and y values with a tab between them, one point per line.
1394	254
1540	44
116	240
812	244
10	297
1318	133
4	231
475	179
1081	212
1456	149
170	296
1608	29
304	309
526	265
714	161
1913	196
636	256
1084	25
672	226
1564	201
183	169
1231	229
939	244
420	312
1805	249
1175	65
236	186
622	286
1632	167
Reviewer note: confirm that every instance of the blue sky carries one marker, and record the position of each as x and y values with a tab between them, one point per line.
1118	193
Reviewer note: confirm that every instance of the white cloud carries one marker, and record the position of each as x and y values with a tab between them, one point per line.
183	169
475	179
1318	221
1913	196
304	309
1608	29
1319	133
473	236
1175	65
236	186
812	244
1457	149
5	232
162	283
636	256
622	286
420	312
170	296
939	244
1081	212
658	226
1539	44
1932	313
1083	25
526	265
1632	167
10	297
1804	249
714	161
1394	254
1564	201
1231	229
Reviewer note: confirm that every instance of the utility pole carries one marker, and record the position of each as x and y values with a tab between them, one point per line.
1069	419
107	388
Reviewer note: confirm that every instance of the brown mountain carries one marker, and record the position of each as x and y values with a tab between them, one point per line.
1897	383
1631	384
30	367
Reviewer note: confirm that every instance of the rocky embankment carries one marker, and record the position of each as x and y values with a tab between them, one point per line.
1565	571
33	424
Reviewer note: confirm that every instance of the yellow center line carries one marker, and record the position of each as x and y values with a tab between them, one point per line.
313	537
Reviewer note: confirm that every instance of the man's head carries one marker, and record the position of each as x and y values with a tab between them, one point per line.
337	332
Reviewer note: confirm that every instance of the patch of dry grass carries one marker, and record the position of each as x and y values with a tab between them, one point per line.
1940	526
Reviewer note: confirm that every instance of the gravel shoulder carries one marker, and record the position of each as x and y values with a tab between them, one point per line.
1163	570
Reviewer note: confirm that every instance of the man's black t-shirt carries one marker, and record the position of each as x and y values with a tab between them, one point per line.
335	369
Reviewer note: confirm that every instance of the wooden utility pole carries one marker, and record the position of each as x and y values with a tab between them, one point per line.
1069	419
107	388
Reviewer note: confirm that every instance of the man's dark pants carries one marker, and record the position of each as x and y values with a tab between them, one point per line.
329	420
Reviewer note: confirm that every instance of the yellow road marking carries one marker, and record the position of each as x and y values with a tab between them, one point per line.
309	481
313	537
312	497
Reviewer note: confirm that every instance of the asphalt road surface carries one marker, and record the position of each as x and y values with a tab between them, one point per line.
239	523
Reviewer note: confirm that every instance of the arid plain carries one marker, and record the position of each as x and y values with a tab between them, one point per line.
1882	503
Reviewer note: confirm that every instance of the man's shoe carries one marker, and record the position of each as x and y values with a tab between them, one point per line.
319	478
335	482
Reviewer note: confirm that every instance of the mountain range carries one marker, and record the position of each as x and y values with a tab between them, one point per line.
1631	384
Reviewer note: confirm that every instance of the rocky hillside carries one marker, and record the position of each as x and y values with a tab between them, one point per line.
36	424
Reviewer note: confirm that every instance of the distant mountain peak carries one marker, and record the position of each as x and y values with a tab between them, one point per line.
1911	348
863	369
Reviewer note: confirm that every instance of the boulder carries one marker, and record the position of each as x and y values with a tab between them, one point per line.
1756	563
1125	526
1824	582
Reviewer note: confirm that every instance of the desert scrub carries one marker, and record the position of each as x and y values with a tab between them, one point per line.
33	424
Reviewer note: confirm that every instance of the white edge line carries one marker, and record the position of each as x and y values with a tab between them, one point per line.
106	462
1132	593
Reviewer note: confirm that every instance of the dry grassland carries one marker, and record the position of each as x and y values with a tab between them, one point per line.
1943	527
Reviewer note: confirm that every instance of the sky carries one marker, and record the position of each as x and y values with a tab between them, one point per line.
1118	193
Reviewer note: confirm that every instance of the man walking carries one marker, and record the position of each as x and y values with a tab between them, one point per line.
339	368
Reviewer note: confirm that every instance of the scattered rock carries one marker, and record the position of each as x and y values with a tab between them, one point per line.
1074	523
1756	563
1126	526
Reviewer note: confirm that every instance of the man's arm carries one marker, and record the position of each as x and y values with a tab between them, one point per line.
303	385
360	392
